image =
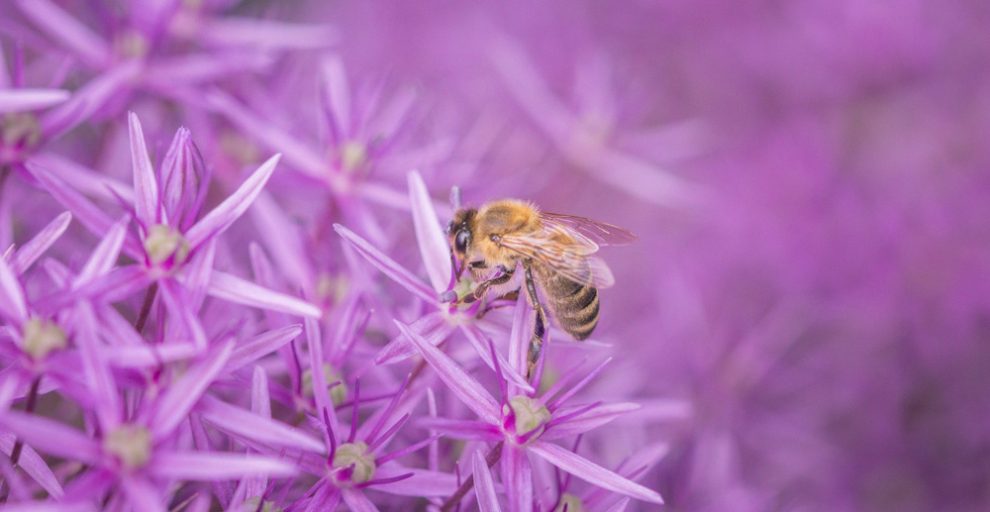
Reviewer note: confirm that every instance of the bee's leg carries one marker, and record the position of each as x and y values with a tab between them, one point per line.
503	277
509	298
540	327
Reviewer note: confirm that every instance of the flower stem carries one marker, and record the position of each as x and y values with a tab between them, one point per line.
149	299
492	458
15	453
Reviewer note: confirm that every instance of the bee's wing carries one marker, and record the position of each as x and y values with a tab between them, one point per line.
572	259
600	233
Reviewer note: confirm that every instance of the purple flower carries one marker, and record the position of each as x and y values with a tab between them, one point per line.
526	424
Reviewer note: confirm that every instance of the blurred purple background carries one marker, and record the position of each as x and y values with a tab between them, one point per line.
822	299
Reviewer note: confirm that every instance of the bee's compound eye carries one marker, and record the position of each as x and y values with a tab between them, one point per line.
462	239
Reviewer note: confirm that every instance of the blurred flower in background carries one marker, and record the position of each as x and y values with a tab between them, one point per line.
188	322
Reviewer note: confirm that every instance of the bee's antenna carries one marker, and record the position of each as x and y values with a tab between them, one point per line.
455	197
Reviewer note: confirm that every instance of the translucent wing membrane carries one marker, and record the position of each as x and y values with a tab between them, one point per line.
569	257
600	233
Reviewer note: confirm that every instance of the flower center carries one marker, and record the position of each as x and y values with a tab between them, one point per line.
353	464
526	417
165	243
132	45
569	503
130	444
41	337
19	130
255	504
335	383
353	155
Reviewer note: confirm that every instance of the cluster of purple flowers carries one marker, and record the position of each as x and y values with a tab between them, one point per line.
223	257
235	319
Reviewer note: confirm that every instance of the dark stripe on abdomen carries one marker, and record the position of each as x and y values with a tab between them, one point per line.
575	306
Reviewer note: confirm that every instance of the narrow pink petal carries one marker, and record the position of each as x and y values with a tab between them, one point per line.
462	429
433	327
48	506
22	100
180	307
357	502
337	95
147	206
567	388
395	114
519	339
104	256
83	179
284	240
588	420
176	176
650	182
98	375
90	215
234	206
148	356
388	266
118	284
241	423
517	477
269	34
142	495
239	291
261	402
525	84
33	465
484	486
51	437
203	68
215	466
28	253
89	99
468	390
321	397
12	302
385	195
68	31
592	473
433	455
429	233
296	153
422	483
180	398
248	352
198	273
479	341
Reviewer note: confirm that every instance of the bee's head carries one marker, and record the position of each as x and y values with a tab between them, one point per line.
460	232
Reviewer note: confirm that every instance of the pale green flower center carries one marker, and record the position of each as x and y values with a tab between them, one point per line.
464	287
353	155
132	44
20	128
164	243
355	457
41	337
130	444
338	393
529	414
331	288
251	505
570	503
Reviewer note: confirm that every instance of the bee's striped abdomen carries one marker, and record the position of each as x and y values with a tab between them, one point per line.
575	306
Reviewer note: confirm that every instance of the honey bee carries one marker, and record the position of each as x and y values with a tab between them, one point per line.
554	252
